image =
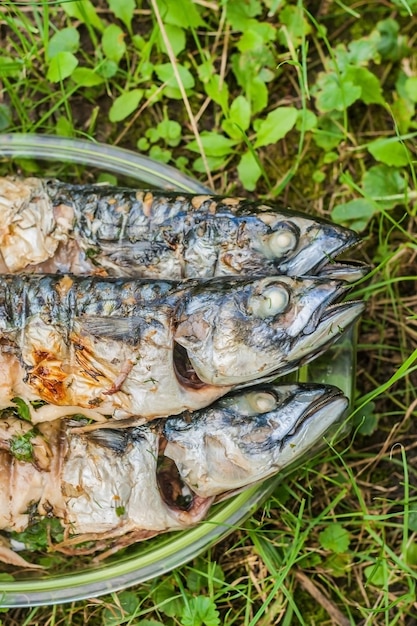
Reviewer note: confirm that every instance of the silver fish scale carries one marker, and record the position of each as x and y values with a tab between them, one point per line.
150	229
59	299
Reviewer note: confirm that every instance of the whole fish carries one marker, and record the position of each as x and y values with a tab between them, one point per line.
124	347
49	226
118	486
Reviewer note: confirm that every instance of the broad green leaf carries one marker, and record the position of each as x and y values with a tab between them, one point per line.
384	184
149	622
376	574
214	164
84	11
125	104
257	94
167	599
412	520
115	616
65	40
160	154
5	116
238	120
182	13
355	213
335	93
410	87
170	131
391	44
200	611
123	10
306	120
86	77
176	36
329	132
214	144
218	92
296	25
335	538
363	50
275	126
249	171
389	151
371	91
22	409
239	14
61	66
63	127
113	42
166	75
107	69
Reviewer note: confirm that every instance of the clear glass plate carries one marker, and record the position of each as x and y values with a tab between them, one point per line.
136	564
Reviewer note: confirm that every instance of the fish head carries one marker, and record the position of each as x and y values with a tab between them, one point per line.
250	435
235	332
298	244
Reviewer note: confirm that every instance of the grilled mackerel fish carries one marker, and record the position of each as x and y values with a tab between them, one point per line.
127	348
114	487
49	226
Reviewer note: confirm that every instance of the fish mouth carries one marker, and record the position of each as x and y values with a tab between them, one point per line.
326	326
184	370
322	251
348	271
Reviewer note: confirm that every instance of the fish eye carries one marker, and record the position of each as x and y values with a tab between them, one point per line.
283	240
261	401
270	302
252	403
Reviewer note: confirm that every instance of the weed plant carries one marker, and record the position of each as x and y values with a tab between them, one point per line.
312	105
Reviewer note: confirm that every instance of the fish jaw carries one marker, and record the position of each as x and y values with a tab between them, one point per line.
319	242
234	444
253	334
348	271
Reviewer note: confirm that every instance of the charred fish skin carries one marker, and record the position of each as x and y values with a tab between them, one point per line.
121	231
112	345
248	436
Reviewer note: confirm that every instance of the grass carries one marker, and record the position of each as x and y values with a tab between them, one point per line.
312	105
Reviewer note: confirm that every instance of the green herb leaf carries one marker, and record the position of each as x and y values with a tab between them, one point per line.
200	611
86	77
61	66
84	11
113	42
123	10
23	409
176	36
389	151
249	171
125	105
214	144
116	615
65	40
355	214
335	93
376	574
381	182
238	120
183	13
167	599
165	73
367	82
335	538
275	126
